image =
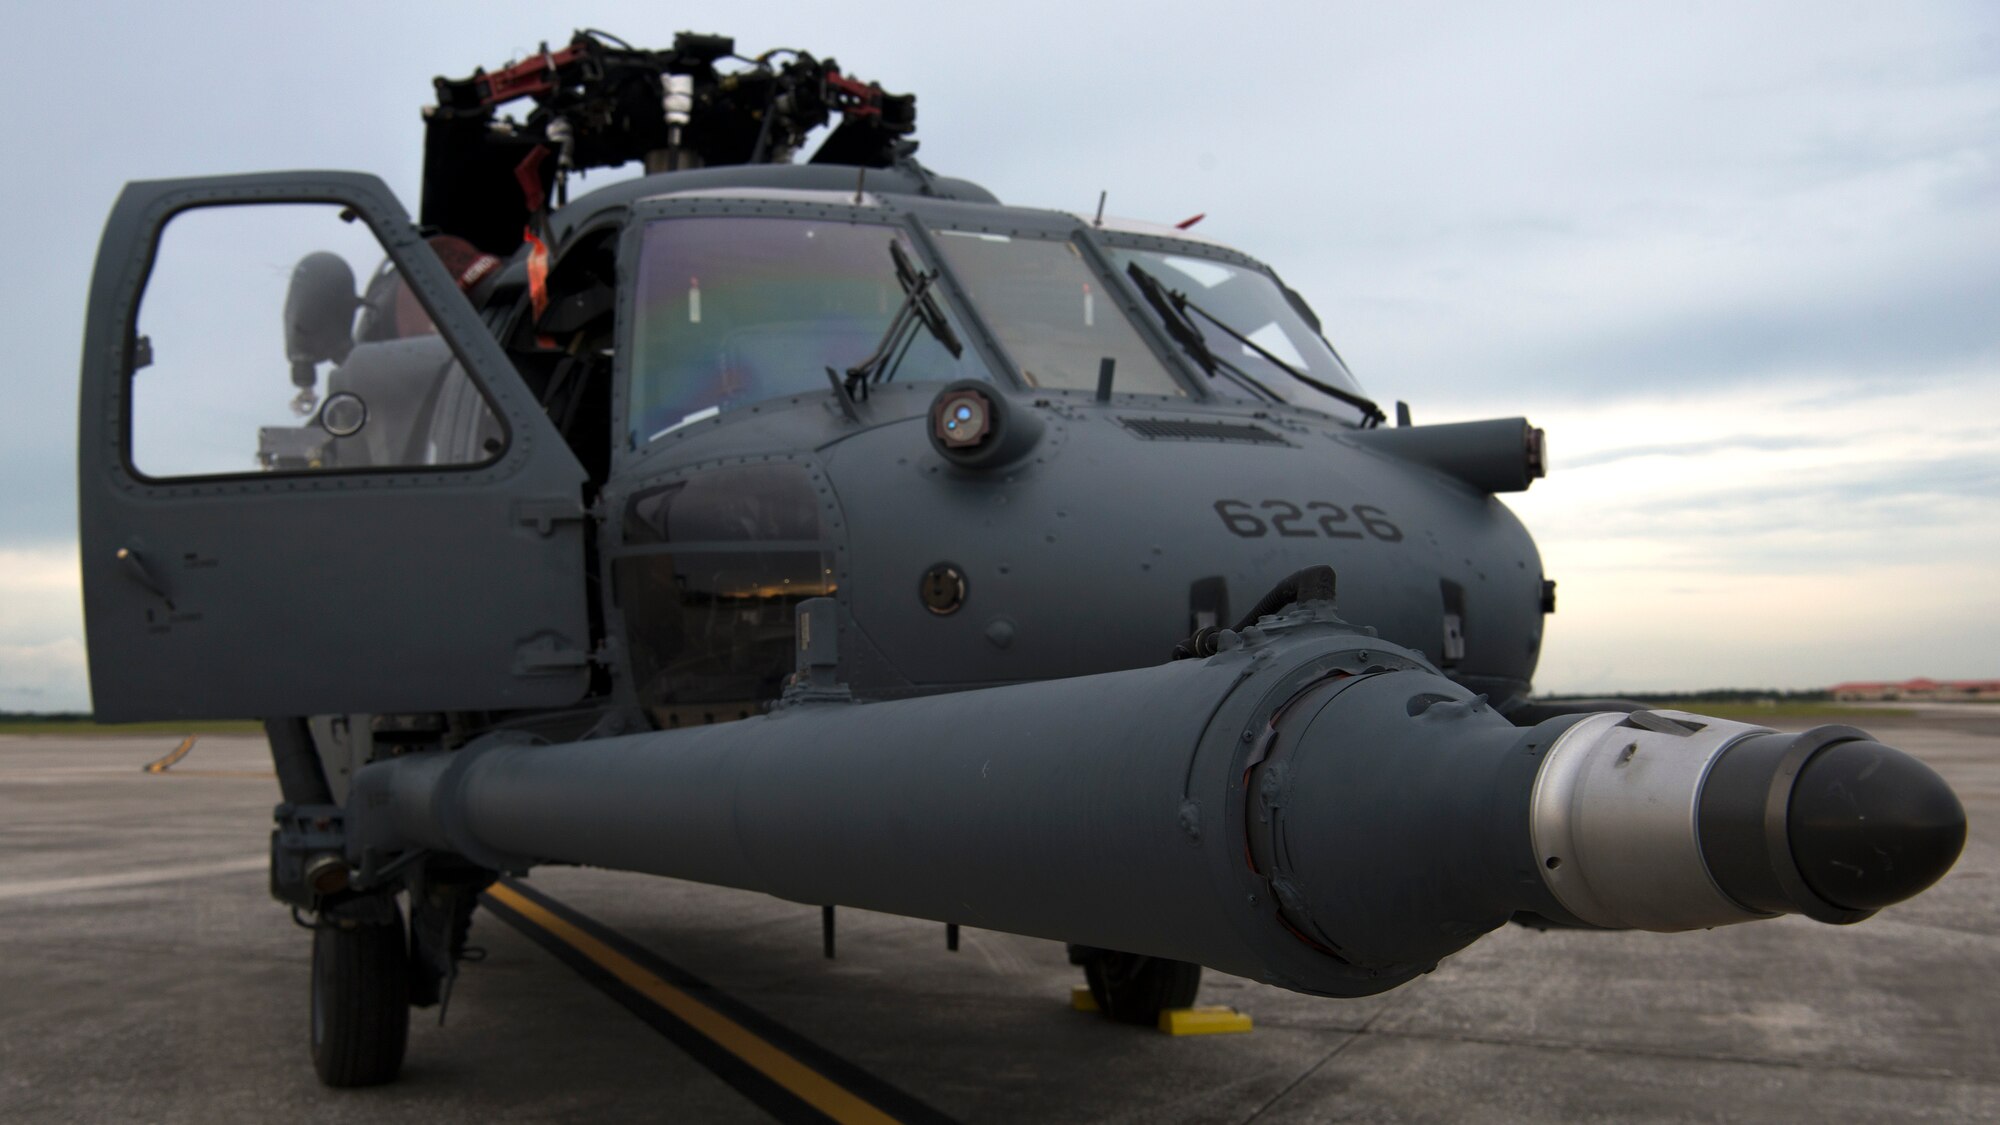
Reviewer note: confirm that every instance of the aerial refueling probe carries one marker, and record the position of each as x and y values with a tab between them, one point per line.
1310	806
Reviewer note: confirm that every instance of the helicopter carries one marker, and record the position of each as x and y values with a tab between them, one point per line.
831	529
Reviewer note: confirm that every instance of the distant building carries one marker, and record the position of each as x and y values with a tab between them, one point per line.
1952	691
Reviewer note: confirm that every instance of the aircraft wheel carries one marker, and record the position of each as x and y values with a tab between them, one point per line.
1131	988
360	1001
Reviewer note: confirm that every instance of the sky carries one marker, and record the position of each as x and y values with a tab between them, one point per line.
1741	262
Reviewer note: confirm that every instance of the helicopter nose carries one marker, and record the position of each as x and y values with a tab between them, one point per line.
1846	825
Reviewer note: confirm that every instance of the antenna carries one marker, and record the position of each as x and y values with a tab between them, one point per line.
1099	220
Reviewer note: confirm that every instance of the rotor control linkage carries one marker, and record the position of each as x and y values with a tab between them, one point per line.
600	102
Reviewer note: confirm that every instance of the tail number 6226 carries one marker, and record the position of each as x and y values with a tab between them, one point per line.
1313	520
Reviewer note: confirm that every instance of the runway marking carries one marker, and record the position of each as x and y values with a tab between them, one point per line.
788	1075
179	752
31	888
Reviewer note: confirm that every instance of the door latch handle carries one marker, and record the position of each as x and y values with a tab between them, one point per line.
135	569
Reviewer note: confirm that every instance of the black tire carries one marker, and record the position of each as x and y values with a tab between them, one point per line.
1134	989
360	1002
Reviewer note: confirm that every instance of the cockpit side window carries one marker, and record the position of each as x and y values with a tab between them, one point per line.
736	310
1048	309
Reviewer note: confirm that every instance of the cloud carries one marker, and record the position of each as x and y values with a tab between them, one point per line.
1939	319
1873	623
1793	536
1737	258
38	570
41	595
42	664
44	677
1699	449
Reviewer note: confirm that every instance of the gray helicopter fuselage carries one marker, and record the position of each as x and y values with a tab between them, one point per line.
1133	520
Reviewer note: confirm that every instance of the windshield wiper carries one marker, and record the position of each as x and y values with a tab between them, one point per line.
918	308
1168	304
1174	307
918	284
1184	331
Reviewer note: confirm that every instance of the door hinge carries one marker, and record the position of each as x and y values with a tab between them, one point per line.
543	513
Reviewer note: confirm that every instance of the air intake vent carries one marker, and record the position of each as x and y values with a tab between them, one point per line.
1188	429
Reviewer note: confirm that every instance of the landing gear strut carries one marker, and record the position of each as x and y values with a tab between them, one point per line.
360	994
1132	988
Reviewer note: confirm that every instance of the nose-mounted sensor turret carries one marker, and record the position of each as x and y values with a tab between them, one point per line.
973	426
962	419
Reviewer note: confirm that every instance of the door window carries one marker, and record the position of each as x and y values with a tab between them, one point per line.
709	579
256	351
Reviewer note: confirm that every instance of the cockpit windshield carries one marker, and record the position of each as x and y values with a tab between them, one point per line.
1048	309
1254	305
737	310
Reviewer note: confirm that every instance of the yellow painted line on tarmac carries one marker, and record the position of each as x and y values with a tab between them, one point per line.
179	752
805	1083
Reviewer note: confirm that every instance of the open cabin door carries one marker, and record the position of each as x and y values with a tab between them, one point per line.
308	483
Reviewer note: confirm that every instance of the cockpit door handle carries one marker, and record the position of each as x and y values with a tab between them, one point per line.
135	568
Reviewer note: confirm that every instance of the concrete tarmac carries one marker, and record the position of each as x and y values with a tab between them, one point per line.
146	975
